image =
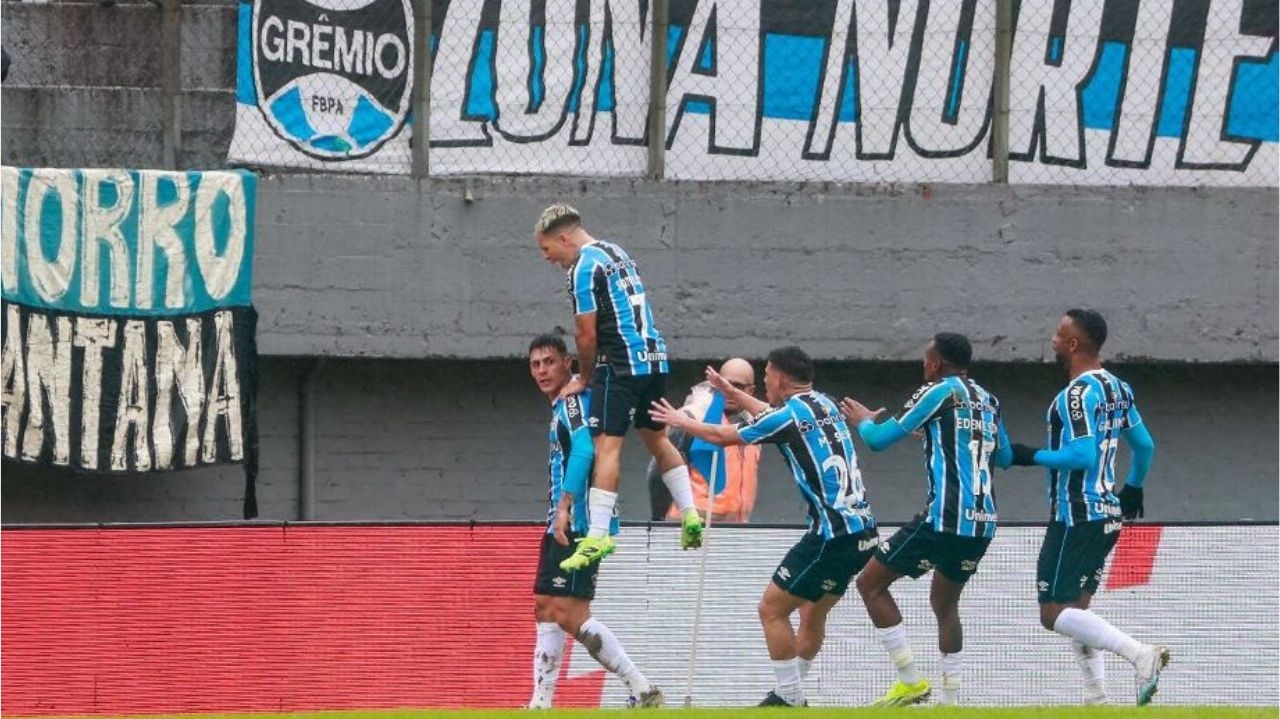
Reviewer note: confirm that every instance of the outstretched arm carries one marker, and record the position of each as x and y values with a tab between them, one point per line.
1079	453
747	402
880	436
725	435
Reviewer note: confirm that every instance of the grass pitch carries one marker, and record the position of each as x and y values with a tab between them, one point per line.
931	712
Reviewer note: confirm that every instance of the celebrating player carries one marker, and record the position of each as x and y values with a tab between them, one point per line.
562	599
962	430
614	325
1086	422
813	437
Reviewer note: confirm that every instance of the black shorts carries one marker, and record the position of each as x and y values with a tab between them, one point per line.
556	582
917	548
1072	559
618	402
815	567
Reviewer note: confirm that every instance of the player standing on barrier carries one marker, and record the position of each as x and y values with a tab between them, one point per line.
813	437
614	323
1086	422
562	599
962	435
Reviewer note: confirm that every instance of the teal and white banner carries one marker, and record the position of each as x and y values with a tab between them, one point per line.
129	331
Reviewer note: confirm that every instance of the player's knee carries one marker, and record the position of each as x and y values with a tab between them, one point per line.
767	611
542	609
868	586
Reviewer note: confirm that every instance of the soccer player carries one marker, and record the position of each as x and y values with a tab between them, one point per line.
1087	420
813	437
962	434
562	599
623	359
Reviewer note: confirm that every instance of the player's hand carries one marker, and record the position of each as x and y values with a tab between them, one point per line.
575	386
662	412
561	525
854	411
1023	455
1131	502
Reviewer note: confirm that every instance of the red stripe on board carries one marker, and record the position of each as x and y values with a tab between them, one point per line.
152	621
1134	556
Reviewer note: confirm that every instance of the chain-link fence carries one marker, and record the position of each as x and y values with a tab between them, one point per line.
1024	91
1172	92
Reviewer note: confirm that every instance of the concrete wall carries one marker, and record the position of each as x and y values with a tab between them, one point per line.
101	105
466	440
395	267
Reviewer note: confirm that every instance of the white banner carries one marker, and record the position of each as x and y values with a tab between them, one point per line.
860	90
324	84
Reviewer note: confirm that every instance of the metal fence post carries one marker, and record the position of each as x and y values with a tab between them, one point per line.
422	63
1000	124
659	9
171	80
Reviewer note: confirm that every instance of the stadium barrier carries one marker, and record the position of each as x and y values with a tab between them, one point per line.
114	620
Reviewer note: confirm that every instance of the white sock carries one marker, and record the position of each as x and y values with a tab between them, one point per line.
1093	671
600	503
804	665
605	648
1092	630
949	667
898	646
788	673
677	481
548	653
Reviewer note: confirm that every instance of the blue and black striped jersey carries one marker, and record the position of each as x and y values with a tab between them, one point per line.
961	424
568	416
605	280
816	442
1098	405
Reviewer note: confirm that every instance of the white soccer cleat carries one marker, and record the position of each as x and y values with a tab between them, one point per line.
1151	662
652	699
1095	698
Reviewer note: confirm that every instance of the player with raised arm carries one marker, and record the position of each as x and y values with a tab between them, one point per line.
1086	421
962	434
807	428
562	599
623	359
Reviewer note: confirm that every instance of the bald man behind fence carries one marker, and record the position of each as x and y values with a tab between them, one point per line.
738	499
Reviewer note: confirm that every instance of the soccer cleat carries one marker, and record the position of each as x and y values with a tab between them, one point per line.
651	699
1151	662
590	550
901	695
773	699
691	530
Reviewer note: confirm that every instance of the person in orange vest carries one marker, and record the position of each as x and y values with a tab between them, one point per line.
737	500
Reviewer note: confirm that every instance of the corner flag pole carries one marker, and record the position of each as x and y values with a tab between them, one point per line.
702	580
